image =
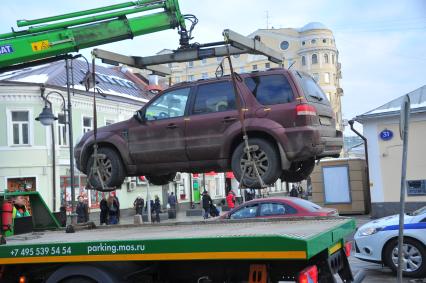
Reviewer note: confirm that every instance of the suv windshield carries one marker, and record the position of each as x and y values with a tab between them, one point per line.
313	92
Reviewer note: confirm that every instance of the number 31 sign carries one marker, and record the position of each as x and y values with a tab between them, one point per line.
386	135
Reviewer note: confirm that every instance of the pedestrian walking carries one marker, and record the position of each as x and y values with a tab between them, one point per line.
172	200
138	204
113	210
207	202
156	209
103	205
118	205
230	199
82	211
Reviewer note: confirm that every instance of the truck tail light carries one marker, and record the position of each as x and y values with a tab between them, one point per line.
308	275
348	248
22	279
305	109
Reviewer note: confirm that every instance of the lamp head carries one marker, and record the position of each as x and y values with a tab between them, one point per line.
46	117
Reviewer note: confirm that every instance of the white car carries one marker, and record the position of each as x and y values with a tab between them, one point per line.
377	241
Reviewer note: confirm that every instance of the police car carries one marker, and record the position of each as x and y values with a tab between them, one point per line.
377	241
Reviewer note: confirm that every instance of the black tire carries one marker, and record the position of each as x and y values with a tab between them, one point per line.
160	180
114	168
78	279
298	171
268	163
415	249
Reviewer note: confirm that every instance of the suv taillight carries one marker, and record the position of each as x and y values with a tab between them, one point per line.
308	275
305	109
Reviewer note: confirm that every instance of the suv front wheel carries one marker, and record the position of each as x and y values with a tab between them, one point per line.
111	169
298	171
266	157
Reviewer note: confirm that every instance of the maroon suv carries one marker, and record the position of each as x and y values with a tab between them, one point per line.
195	127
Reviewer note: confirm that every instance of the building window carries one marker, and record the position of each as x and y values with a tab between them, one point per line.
204	61
267	65
303	61
177	79
332	58
109	122
327	78
62	130
87	124
204	76
20	127
254	67
190	64
326	58
324	40
284	45
315	76
303	43
314	59
191	78
313	41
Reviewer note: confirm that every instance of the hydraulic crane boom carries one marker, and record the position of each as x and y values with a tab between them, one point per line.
59	35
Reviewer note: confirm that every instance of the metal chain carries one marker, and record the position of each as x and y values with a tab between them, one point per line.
241	111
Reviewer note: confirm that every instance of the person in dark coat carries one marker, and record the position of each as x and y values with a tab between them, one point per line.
207	202
113	210
118	205
138	204
104	211
156	208
82	211
172	201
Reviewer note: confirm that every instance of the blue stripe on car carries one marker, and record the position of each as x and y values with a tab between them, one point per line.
421	225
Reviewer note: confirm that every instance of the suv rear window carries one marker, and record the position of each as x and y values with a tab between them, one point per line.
311	89
271	89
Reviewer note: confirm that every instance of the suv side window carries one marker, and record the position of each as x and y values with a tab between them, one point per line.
169	105
214	97
249	211
271	89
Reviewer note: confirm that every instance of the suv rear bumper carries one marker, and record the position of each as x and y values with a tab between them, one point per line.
305	142
332	146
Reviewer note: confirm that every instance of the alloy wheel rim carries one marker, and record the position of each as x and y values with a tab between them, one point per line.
261	160
412	258
105	169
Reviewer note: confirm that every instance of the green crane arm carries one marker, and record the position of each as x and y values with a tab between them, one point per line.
73	31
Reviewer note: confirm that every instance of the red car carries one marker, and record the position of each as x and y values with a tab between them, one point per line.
278	207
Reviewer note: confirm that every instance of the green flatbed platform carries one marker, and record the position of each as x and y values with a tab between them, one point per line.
295	239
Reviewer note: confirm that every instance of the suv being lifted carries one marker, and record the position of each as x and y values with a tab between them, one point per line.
195	127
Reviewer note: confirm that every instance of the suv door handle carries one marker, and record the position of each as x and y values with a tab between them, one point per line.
229	119
172	126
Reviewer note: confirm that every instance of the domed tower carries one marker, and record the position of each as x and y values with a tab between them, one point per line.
319	57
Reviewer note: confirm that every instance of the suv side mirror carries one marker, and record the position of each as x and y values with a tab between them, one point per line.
139	115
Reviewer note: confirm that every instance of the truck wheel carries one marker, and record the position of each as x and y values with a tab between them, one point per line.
298	171
78	279
267	160
160	180
414	261
111	170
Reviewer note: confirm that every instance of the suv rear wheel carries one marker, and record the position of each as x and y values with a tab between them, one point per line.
298	171
160	180
267	160
111	169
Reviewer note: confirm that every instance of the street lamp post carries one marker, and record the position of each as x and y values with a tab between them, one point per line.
47	118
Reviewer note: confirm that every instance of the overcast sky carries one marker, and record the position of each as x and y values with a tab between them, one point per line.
382	44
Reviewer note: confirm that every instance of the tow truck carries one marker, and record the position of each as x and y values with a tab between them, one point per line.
255	251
